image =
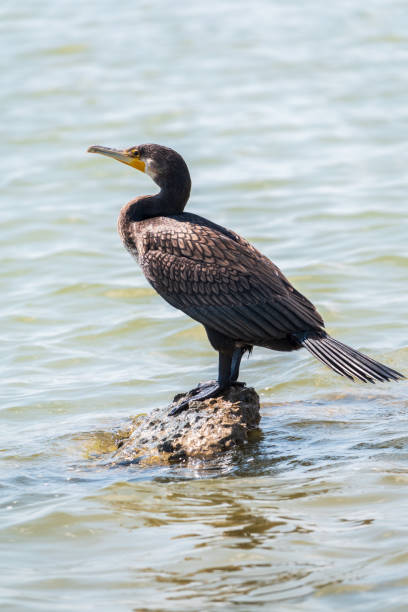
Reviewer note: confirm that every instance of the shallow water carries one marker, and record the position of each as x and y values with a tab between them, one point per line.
291	117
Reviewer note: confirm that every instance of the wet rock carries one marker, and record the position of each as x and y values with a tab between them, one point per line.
207	428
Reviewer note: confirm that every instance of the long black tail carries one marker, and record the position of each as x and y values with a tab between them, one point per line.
346	361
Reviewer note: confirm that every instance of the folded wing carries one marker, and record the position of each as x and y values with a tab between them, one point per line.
220	280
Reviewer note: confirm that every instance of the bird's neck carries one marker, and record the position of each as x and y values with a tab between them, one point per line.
164	204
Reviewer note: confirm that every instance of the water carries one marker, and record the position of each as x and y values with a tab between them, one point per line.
292	118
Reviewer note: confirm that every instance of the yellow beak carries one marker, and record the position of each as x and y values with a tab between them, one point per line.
126	156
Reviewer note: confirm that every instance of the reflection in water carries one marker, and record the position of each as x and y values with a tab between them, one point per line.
237	524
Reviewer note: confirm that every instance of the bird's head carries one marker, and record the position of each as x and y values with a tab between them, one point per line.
166	167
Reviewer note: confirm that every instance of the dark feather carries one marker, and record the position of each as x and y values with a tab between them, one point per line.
220	280
347	361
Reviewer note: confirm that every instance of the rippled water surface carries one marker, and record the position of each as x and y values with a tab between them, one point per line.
293	119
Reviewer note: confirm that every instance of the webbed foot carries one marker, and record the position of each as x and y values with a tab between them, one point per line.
201	386
204	391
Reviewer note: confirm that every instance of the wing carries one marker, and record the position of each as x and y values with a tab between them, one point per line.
220	280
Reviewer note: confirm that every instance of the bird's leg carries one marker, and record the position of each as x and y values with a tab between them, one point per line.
236	362
213	388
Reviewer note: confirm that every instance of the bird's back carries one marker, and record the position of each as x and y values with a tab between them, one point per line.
218	278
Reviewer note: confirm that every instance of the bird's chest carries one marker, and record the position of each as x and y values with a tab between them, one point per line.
139	237
131	236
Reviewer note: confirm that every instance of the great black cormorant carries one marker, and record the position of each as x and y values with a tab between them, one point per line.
219	279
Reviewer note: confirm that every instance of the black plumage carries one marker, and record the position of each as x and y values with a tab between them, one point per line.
216	277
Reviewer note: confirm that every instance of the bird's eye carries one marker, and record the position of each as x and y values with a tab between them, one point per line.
136	152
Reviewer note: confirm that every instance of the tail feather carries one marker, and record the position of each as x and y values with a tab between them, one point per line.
346	361
325	355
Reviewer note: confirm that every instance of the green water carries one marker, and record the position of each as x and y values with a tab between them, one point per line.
293	119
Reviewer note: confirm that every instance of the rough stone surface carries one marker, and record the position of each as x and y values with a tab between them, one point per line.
207	428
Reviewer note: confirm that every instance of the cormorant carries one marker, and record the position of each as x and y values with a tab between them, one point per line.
219	279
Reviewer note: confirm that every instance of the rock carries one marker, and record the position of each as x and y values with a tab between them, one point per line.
207	428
